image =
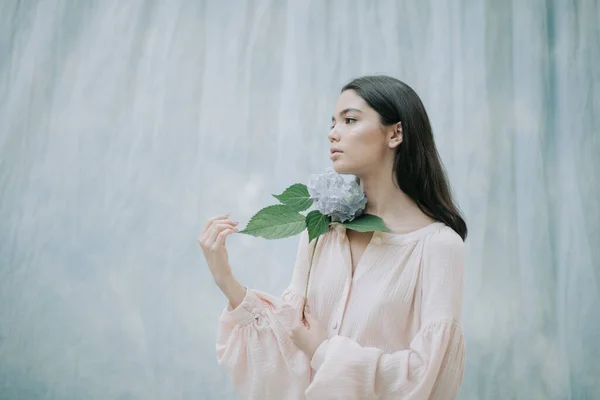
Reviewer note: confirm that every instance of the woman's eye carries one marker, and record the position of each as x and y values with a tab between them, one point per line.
350	120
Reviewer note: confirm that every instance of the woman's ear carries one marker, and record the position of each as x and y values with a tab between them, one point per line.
396	137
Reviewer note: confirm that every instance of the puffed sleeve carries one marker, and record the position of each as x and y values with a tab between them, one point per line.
433	365
254	345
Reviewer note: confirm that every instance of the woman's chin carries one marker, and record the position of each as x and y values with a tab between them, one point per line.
340	169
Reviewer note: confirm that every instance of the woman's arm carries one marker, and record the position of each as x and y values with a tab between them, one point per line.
232	289
254	345
212	240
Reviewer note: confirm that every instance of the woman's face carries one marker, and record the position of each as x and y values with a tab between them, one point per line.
358	134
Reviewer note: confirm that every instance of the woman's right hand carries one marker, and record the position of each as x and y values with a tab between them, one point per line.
212	242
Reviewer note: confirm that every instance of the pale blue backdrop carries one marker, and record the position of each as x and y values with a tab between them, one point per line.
125	124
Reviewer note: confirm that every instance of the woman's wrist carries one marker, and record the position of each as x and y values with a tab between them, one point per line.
232	289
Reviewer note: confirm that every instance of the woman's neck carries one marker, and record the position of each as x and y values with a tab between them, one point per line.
387	201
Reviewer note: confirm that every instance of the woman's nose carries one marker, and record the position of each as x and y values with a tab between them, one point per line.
333	135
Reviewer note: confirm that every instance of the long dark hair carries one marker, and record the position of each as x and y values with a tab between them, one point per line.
417	165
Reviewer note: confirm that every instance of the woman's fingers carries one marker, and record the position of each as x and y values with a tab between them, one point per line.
223	235
298	315
211	220
210	235
310	319
208	227
219	227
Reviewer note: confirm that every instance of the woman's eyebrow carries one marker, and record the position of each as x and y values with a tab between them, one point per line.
346	111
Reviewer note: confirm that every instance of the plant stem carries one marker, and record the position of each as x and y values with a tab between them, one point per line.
308	277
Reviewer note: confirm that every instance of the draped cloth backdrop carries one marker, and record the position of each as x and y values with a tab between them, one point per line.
124	125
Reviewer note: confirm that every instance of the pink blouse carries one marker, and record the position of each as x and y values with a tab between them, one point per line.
394	326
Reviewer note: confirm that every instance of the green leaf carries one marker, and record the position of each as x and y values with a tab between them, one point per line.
275	222
296	197
366	223
317	224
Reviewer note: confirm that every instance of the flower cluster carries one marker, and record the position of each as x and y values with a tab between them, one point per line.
332	195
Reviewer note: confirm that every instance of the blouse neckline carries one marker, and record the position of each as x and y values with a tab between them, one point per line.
397	238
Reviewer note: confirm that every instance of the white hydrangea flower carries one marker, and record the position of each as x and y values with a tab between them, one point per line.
332	195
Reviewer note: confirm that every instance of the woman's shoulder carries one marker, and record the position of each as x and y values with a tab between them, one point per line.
444	239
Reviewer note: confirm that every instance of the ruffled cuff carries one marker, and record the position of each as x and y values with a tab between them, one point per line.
246	312
319	356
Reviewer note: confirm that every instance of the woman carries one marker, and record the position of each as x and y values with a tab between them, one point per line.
383	312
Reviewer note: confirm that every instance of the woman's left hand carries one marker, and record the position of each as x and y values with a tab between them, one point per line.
307	334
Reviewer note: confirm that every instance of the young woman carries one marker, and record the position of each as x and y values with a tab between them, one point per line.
383	312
